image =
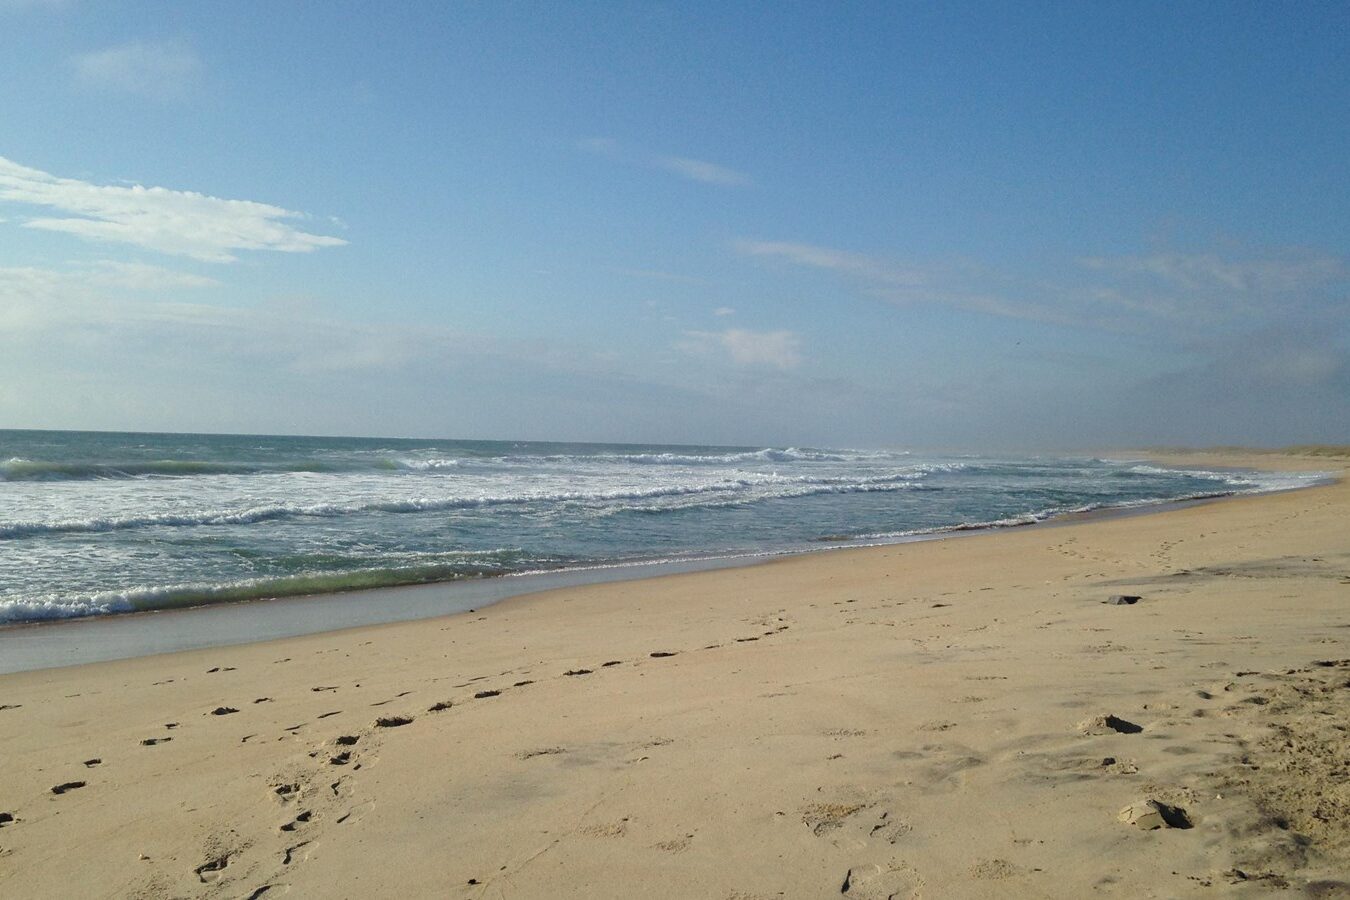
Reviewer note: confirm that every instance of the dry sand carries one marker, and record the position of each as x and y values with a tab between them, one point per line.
957	718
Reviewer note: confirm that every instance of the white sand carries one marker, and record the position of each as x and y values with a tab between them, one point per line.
918	720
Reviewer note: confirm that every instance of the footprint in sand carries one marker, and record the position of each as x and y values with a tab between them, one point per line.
543	751
209	871
299	820
994	870
483	694
823	818
6	819
150	742
676	845
889	881
393	721
606	829
889	829
355	814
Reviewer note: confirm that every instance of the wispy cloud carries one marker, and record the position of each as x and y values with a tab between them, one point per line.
1208	271
843	261
160	70
181	223
1121	294
144	277
895	282
34	299
108	303
724	311
686	167
700	170
776	349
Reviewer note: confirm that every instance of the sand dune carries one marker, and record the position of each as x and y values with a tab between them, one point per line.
972	717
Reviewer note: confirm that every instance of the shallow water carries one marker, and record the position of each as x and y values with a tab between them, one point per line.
99	523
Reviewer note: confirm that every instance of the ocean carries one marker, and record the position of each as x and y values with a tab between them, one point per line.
95	523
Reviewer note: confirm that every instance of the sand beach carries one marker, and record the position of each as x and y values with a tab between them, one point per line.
978	716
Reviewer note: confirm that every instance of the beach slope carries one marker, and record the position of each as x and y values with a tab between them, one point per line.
970	717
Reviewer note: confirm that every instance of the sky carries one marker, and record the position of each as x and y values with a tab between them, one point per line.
959	225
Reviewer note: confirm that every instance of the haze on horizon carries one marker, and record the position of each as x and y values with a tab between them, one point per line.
970	224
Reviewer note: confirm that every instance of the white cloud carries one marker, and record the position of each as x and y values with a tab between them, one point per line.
778	349
1120	294
93	295
181	223
693	169
1208	271
144	277
162	71
844	261
724	311
111	303
700	170
899	284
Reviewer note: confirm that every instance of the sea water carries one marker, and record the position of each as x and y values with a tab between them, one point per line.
101	523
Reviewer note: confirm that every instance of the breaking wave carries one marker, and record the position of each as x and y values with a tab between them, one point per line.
22	469
176	596
755	488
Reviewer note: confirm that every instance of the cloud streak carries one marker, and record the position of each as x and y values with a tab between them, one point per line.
173	222
161	71
1208	271
699	170
842	261
774	349
1126	294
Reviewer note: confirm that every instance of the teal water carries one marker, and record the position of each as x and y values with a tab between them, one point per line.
101	523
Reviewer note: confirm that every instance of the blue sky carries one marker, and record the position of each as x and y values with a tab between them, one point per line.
968	224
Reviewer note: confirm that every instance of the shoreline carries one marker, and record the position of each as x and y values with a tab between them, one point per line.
942	718
31	645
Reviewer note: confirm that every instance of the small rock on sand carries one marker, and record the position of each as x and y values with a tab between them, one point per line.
1109	723
1149	814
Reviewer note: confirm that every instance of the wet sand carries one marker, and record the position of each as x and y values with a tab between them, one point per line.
959	718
